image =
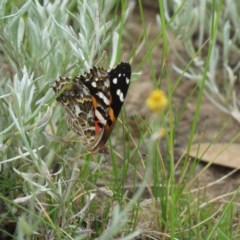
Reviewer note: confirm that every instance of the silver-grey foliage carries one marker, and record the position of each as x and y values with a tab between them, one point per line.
39	42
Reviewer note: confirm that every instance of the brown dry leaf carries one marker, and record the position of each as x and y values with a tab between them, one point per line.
223	154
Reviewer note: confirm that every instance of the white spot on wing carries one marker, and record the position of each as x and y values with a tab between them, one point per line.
94	84
115	80
127	80
103	97
77	109
100	117
91	128
120	94
90	114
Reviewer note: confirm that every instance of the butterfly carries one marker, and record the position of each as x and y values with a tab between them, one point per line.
93	101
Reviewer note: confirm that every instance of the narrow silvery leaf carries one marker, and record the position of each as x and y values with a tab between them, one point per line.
21	29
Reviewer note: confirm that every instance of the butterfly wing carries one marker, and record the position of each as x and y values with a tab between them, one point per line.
98	83
119	82
76	100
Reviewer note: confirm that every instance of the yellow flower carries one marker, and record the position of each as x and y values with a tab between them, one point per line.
157	101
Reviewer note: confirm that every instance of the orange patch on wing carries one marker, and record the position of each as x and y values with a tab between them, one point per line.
97	128
110	112
94	102
111	116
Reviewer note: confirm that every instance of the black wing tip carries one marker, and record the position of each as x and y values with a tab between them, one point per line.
124	66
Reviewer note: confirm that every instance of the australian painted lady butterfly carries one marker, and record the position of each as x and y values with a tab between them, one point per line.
93	101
